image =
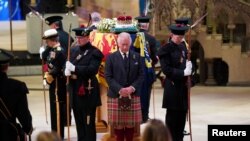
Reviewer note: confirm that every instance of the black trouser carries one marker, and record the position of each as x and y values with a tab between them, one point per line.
175	120
85	119
61	92
145	100
145	95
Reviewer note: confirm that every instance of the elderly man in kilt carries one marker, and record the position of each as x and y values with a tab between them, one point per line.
124	75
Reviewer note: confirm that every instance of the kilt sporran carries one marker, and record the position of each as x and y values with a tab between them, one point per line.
124	103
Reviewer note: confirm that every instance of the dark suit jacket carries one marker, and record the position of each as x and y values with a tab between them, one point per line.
116	76
14	95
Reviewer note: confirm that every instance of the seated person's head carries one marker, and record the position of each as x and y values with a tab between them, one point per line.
48	136
156	130
95	17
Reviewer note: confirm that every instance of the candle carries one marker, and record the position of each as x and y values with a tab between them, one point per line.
33	2
69	2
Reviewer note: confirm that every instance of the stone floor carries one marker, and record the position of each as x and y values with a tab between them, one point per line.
209	105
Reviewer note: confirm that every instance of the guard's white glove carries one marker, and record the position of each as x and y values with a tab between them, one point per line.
67	72
70	66
45	83
41	50
187	71
189	64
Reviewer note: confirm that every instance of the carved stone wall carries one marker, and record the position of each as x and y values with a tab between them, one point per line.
226	20
168	10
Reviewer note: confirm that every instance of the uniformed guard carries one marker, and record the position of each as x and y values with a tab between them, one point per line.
184	21
55	60
82	68
150	75
176	67
55	22
13	104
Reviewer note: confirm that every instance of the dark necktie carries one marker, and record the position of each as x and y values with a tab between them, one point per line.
125	61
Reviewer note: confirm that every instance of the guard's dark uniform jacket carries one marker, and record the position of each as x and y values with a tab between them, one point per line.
13	94
64	39
85	96
173	62
55	60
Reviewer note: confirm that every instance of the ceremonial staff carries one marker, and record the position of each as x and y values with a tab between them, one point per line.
189	77
57	109
90	20
11	31
36	13
44	93
67	83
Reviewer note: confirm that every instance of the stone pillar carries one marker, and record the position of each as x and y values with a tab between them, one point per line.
34	28
210	77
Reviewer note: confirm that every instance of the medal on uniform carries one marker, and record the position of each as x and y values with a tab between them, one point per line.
52	55
183	54
79	57
88	119
85	53
181	59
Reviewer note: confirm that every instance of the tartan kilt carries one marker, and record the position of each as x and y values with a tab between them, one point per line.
118	117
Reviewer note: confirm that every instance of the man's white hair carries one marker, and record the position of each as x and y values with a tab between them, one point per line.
123	35
95	16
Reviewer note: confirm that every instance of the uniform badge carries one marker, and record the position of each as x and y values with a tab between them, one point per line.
52	55
79	57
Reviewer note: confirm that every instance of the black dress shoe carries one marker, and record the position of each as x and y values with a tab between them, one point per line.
144	120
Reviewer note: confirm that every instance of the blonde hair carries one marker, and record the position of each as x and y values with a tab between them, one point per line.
48	136
156	130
